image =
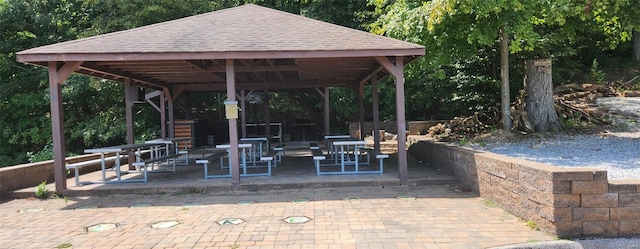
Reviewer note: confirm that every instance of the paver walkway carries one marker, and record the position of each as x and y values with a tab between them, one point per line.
372	217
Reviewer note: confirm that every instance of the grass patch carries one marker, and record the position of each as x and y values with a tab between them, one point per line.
189	191
42	192
64	245
490	203
532	224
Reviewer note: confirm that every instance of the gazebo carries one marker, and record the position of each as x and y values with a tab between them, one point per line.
234	51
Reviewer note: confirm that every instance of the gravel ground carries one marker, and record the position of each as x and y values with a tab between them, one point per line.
614	150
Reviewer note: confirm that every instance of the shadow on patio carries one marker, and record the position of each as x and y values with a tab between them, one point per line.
296	171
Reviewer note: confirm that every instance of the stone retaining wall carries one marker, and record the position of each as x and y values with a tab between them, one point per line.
413	127
31	174
567	202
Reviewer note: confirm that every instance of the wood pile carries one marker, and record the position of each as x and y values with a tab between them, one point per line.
459	127
579	102
572	101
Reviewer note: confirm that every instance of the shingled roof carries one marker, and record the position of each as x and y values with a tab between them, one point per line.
270	46
255	47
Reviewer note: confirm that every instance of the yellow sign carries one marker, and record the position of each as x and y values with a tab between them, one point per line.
231	109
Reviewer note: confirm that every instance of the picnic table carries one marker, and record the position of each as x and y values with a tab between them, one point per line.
343	151
257	145
332	148
247	148
167	143
121	149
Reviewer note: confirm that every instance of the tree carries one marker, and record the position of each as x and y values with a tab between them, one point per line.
618	20
539	100
453	29
24	106
636	45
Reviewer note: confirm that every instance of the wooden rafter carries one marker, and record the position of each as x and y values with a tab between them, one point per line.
273	67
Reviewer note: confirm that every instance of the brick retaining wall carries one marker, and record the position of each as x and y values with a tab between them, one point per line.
31	174
567	202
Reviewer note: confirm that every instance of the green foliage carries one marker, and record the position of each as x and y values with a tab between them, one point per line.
41	191
458	76
533	225
597	75
65	245
463	141
45	154
490	203
24	103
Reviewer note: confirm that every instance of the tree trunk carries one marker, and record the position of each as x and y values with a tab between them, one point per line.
504	79
538	85
636	45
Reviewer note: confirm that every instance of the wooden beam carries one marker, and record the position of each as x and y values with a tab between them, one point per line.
361	110
203	67
401	121
327	119
215	87
217	55
376	113
387	65
130	93
369	73
250	65
225	66
120	74
67	69
163	115
319	92
58	73
152	94
243	112
275	69
233	127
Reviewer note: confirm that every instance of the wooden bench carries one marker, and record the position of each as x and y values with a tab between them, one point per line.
77	166
186	153
318	156
269	158
151	161
206	161
381	157
280	150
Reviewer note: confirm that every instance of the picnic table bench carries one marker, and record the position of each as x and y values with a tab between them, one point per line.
79	165
280	149
346	152
268	158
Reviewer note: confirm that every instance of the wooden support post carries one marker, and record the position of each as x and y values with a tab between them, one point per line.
402	123
376	112
57	76
327	119
397	70
243	112
361	110
130	93
172	119
233	126
163	115
267	115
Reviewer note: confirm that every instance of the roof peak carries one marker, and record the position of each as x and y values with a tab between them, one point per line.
245	28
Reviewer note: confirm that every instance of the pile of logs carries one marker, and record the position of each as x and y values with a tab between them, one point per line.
459	127
572	101
579	101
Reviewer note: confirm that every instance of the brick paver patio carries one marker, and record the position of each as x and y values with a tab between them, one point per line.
435	216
